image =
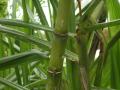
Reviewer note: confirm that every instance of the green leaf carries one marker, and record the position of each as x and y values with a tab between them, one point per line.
12	85
23	24
14	60
21	36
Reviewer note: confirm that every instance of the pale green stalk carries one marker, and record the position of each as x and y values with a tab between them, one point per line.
55	81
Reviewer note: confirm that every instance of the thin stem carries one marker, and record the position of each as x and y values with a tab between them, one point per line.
25	46
80	10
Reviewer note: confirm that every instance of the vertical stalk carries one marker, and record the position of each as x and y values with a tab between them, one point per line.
12	41
58	46
113	7
42	17
50	12
25	46
55	6
82	39
72	66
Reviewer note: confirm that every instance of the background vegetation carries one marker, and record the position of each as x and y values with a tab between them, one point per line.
59	45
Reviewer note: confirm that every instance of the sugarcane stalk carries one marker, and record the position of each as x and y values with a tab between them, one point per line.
82	39
58	46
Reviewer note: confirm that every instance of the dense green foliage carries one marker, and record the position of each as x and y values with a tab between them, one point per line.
52	45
